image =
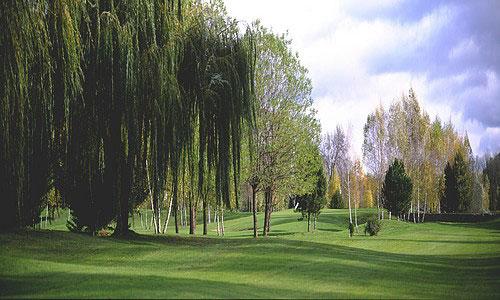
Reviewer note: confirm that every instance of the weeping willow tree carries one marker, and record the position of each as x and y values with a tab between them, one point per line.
26	108
101	99
216	79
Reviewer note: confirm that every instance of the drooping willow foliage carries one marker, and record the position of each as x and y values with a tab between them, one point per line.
101	99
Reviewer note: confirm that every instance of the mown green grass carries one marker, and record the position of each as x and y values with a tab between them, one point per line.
406	260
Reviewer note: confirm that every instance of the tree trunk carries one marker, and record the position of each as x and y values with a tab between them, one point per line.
151	196
412	212
184	209
266	211
418	204
168	216
308	222
205	224
355	217
268	228
254	210
216	220
314	224
270	210
349	197
208	205
192	217
159	217
47	217
181	216
378	203
222	220
124	196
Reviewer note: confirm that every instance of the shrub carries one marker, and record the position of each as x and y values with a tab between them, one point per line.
372	226
351	229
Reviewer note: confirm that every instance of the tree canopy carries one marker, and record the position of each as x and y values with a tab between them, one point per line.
102	99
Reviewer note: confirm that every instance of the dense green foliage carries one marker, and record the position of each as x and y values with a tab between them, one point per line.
457	194
397	189
449	201
310	204
103	100
373	226
286	136
492	172
336	200
464	258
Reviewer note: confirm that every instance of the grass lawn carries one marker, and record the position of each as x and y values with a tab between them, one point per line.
405	260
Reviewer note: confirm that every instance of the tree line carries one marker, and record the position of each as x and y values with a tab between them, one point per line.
434	164
110	106
107	102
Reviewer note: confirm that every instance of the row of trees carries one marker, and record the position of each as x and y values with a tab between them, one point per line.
443	175
111	105
108	102
108	106
348	185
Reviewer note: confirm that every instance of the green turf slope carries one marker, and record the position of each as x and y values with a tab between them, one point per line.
406	260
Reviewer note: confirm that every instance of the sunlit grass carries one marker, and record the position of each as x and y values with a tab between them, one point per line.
406	260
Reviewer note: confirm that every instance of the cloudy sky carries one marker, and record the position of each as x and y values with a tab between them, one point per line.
361	53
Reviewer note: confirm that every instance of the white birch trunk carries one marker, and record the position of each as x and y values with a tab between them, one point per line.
378	203
159	218
222	220
168	216
355	218
418	204
208	208
216	220
349	197
185	214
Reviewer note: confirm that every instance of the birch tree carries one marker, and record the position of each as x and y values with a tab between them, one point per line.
374	148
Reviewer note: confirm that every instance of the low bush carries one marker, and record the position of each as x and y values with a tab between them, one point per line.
372	226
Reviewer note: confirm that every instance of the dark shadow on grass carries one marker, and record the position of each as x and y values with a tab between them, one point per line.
442	241
273	258
329	230
304	261
490	225
81	285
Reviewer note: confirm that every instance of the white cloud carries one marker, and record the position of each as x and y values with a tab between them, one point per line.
465	48
355	62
